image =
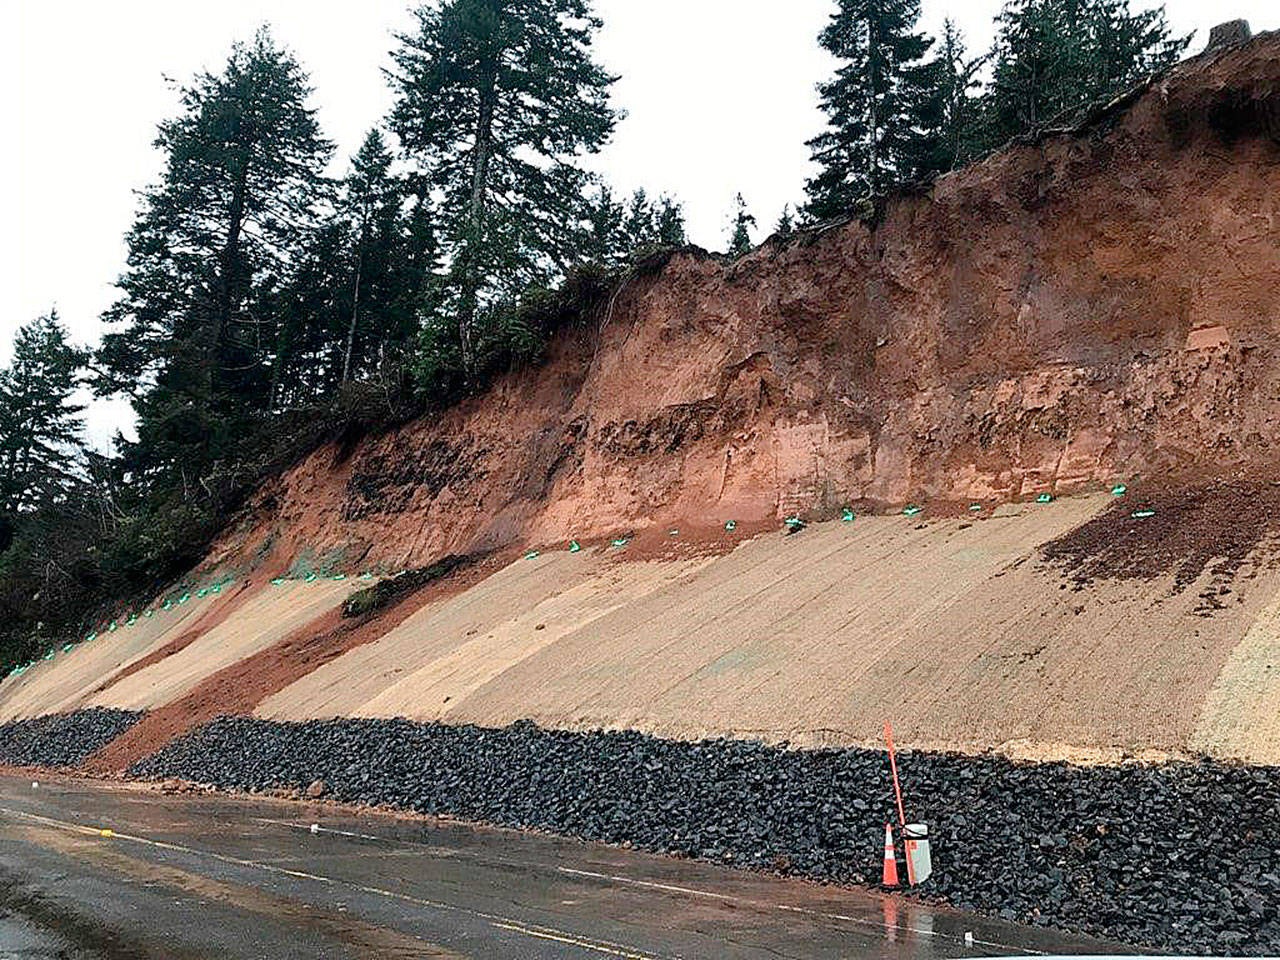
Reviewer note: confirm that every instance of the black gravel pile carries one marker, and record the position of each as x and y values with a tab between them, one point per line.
1184	857
61	739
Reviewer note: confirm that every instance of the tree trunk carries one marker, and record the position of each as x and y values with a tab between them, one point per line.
355	297
227	262
479	184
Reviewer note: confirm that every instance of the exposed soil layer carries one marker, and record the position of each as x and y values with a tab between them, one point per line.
240	687
61	739
1181	856
1092	307
1223	528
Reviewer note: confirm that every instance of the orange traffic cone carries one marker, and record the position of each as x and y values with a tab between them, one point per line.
890	859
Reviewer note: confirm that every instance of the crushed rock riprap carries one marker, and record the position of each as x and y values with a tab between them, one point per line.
1181	856
61	739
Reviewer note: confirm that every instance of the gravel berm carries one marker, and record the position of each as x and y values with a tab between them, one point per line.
1184	857
61	739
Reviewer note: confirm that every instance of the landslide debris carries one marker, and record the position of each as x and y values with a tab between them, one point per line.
1180	856
61	739
1225	530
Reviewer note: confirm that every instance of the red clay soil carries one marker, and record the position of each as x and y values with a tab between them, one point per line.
1068	313
211	618
239	688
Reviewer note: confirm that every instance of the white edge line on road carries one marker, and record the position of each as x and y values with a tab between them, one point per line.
496	920
764	904
672	888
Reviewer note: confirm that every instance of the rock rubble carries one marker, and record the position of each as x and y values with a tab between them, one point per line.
1184	857
61	739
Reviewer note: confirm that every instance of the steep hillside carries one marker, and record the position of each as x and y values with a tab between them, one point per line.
1064	358
1102	304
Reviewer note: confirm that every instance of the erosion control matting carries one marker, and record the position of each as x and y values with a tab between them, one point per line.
1180	856
244	684
956	628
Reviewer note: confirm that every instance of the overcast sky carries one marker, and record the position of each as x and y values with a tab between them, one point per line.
719	96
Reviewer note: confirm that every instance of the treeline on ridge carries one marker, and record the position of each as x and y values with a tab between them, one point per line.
264	305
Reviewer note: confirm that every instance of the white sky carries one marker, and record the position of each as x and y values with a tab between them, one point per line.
719	95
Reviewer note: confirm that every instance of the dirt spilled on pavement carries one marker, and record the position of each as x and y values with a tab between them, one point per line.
239	688
1222	529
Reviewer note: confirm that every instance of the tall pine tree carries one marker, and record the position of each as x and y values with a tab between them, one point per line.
873	106
391	251
40	424
221	229
949	116
496	102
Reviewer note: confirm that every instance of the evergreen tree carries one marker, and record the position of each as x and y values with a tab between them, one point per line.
651	226
872	106
950	115
497	100
606	218
786	223
617	231
639	229
740	228
39	423
1053	57
670	224
1034	77
215	236
392	255
1128	46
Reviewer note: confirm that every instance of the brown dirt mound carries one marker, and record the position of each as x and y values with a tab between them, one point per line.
1220	529
240	687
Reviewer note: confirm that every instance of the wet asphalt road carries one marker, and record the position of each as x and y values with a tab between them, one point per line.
195	876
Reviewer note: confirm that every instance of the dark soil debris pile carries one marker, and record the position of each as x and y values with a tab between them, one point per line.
1226	530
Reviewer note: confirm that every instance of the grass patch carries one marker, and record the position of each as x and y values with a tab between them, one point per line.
387	592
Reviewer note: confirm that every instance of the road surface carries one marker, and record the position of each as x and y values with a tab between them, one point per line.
95	871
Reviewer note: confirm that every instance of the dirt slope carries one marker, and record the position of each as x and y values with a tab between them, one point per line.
1100	306
1091	307
961	632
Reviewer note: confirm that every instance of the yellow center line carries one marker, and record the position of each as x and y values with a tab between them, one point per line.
497	920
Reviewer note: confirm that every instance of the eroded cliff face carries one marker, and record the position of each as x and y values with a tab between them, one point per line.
1099	305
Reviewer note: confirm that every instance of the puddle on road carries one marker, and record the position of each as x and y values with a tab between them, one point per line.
39	929
87	939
